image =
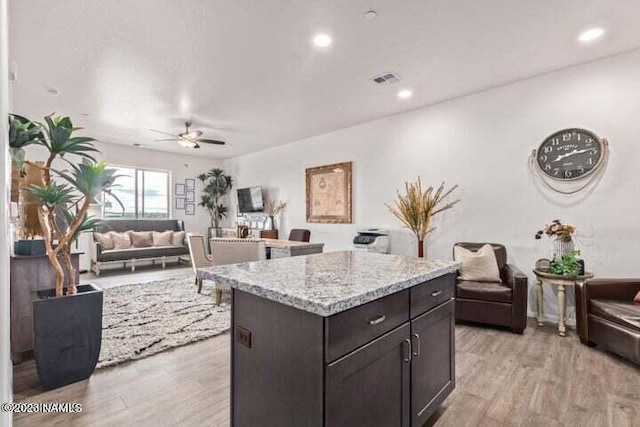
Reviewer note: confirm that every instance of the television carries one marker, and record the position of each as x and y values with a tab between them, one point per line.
250	199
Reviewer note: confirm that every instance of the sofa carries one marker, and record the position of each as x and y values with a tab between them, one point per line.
101	255
500	304
607	317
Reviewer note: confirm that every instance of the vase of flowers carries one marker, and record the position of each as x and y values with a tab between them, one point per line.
272	208
561	235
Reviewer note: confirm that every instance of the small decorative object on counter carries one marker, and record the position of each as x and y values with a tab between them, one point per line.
561	235
417	207
272	208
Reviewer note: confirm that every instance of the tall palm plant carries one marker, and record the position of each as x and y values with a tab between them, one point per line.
63	191
216	185
417	207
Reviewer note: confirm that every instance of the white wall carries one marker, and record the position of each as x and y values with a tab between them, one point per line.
482	142
6	376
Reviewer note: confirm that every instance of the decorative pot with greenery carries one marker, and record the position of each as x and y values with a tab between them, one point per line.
216	185
272	208
417	207
567	265
67	321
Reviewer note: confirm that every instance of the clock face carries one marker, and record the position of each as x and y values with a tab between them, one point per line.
570	154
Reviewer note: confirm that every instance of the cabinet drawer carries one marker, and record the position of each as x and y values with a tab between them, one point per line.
431	294
349	330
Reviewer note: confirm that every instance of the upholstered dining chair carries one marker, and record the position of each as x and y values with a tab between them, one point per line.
299	235
231	251
198	254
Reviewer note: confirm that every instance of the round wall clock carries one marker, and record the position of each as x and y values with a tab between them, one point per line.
570	154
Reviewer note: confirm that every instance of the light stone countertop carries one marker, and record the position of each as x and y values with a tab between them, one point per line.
329	283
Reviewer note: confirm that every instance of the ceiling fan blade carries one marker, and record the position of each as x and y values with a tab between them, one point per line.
210	141
171	139
164	133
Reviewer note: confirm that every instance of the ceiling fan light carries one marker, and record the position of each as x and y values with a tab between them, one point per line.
187	144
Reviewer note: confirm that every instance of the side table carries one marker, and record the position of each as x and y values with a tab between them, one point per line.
542	278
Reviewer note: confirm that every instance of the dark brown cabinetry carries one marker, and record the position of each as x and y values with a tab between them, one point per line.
389	362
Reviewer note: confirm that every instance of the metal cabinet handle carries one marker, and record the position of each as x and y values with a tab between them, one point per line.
416	352
407	358
377	320
436	293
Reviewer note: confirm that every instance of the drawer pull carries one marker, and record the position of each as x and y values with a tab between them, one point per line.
416	352
436	293
377	320
408	353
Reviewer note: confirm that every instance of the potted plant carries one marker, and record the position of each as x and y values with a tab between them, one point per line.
216	185
417	207
567	265
67	321
272	208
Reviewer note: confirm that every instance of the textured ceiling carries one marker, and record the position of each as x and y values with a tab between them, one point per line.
246	71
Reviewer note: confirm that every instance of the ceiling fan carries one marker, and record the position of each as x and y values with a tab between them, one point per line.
189	138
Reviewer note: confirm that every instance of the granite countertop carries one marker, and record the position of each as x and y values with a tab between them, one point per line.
329	283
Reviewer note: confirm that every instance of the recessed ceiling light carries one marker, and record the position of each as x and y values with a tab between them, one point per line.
322	40
370	15
591	35
405	93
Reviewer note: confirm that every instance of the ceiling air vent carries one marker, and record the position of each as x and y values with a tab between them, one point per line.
386	79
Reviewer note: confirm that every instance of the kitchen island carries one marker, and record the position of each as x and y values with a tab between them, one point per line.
340	339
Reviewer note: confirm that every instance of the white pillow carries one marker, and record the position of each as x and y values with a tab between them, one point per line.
178	238
105	240
120	240
480	266
161	238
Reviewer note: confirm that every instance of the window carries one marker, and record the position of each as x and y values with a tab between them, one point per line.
142	194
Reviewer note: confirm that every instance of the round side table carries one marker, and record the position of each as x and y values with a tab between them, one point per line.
542	278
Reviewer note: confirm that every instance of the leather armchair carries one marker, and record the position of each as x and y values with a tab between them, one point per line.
607	317
501	304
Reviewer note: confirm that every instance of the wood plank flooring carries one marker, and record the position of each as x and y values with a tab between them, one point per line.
503	379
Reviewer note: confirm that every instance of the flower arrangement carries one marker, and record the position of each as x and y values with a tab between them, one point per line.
272	208
557	230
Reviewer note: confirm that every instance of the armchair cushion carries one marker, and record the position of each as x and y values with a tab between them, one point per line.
477	266
484	291
623	313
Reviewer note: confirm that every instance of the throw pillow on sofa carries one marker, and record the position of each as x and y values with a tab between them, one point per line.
161	238
105	240
480	266
120	240
140	239
178	238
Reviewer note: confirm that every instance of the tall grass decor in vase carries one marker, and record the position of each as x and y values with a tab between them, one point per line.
417	206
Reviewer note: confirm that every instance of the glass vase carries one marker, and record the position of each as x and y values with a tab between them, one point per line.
562	247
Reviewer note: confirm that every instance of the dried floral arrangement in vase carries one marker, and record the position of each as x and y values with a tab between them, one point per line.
272	208
561	235
417	207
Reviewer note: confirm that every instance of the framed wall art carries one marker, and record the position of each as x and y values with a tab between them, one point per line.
179	191
190	209
180	203
191	196
190	184
329	190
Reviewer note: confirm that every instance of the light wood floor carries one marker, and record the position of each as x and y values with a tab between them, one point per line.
538	379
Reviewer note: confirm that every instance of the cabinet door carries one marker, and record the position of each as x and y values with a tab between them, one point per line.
433	363
370	387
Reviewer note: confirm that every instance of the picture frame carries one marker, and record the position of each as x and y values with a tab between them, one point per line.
190	184
190	209
179	189
190	196
329	193
180	203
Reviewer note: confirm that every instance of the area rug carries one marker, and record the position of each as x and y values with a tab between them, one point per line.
144	319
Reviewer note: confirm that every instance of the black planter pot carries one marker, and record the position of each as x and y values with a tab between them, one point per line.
67	333
29	247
